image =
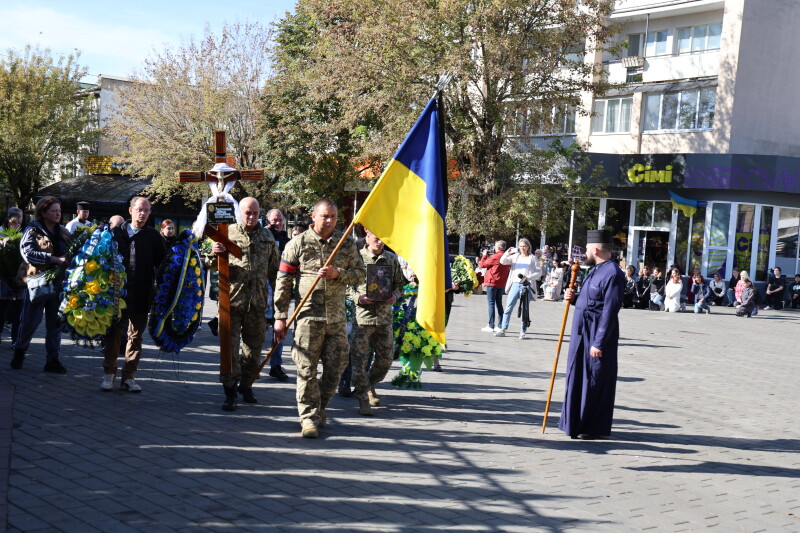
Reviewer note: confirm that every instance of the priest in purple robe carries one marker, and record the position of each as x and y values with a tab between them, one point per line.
588	407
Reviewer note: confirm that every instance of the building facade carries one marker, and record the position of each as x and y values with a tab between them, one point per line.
707	110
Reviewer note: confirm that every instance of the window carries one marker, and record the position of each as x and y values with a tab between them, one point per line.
612	115
762	247
525	121
698	38
692	109
786	248
654	45
718	239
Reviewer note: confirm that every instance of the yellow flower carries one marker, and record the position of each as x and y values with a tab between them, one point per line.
198	306
193	262
74	301
93	287
373	286
416	342
91	266
426	349
406	347
194	317
197	271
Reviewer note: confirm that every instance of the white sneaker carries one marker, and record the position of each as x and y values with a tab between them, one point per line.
522	335
498	330
500	333
108	383
768	308
130	386
487	329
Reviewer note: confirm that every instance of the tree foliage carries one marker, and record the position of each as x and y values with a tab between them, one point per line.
165	119
304	141
46	120
382	58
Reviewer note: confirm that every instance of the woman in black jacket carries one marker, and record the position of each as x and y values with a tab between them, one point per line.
43	255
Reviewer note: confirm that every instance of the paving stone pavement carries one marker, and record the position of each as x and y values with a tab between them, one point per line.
705	437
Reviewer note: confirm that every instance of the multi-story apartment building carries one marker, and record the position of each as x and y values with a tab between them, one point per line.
707	110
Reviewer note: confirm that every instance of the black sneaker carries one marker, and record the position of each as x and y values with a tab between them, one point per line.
213	325
278	373
55	367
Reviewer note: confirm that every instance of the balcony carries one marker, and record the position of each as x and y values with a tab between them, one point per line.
667	67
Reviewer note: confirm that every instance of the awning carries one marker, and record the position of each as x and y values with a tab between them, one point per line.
106	193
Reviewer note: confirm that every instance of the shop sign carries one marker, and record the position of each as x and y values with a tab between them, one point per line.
651	170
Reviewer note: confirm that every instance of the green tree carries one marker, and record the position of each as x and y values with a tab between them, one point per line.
164	121
304	142
382	58
46	119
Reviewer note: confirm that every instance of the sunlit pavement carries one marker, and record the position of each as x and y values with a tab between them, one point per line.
705	437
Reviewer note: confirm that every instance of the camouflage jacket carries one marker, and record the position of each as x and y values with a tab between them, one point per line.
306	254
259	264
377	313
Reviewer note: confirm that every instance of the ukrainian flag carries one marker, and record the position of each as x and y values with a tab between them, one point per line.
688	206
406	210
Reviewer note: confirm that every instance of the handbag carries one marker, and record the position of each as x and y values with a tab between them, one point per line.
39	288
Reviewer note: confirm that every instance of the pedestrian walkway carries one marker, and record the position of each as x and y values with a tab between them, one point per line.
705	437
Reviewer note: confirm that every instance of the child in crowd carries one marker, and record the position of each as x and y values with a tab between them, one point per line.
746	303
672	292
702	294
717	286
657	289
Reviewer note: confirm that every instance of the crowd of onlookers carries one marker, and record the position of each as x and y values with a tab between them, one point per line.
525	276
675	292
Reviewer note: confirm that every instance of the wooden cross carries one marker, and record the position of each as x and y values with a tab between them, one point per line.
220	234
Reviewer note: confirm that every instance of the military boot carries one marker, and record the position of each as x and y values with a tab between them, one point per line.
247	394
374	401
231	398
364	409
16	361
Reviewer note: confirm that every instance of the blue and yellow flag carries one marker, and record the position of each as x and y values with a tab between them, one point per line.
406	210
688	206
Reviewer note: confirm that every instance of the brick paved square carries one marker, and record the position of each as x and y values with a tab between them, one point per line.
704	438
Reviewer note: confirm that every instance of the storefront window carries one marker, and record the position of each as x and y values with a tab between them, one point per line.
698	232
644	214
762	252
744	237
718	239
786	247
662	214
618	216
681	241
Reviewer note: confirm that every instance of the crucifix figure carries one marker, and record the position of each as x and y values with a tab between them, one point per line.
222	177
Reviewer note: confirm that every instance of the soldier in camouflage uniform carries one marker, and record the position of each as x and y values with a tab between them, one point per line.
321	322
373	326
248	293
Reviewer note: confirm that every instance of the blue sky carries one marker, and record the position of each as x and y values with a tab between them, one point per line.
115	37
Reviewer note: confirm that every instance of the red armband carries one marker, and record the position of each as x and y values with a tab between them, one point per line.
288	268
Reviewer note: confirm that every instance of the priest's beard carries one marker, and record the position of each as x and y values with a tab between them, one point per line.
590	261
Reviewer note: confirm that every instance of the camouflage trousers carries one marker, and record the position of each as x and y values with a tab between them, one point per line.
248	330
316	341
366	339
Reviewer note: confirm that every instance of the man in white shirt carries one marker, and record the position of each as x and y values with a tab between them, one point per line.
82	218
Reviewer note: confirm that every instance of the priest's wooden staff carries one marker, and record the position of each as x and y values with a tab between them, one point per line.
299	306
575	267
